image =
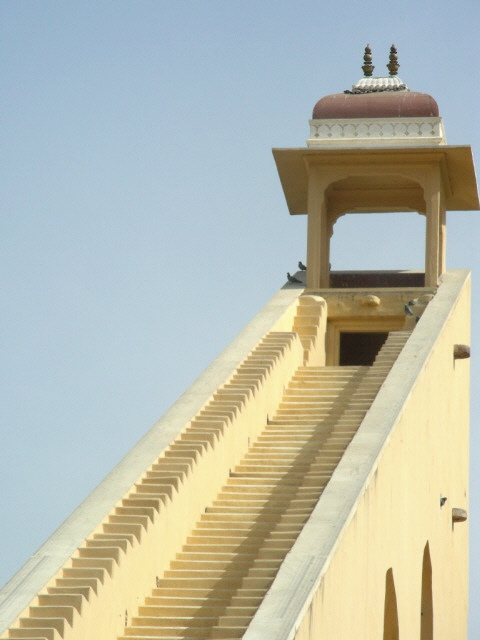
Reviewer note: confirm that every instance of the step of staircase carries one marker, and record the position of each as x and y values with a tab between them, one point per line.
240	542
214	586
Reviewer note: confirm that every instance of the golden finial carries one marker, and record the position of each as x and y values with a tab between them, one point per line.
367	62
393	65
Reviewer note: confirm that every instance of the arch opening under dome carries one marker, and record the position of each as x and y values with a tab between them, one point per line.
378	241
363	192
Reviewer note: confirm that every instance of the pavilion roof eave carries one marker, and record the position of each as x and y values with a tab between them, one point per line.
292	168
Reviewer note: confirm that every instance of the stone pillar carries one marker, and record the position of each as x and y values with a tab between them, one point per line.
442	262
318	236
435	235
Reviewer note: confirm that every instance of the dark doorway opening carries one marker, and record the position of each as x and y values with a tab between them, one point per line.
360	348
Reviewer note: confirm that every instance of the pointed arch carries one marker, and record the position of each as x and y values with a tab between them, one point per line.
426	611
390	616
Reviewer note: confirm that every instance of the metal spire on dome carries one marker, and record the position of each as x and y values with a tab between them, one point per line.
369	84
393	65
367	62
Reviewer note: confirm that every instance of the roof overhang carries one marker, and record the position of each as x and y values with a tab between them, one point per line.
458	171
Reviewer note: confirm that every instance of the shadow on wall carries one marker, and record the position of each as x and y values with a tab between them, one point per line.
426	612
390	617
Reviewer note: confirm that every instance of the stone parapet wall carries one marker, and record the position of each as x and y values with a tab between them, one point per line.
376	131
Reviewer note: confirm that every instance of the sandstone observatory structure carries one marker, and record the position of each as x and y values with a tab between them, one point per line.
313	482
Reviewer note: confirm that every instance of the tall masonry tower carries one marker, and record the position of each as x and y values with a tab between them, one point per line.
313	482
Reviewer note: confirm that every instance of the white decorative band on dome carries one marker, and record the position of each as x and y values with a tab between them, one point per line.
376	131
372	85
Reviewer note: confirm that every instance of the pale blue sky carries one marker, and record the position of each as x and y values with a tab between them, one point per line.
143	222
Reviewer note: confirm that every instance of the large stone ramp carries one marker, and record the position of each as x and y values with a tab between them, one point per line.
215	585
95	576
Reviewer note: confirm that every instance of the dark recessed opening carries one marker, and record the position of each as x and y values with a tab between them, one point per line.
376	279
360	348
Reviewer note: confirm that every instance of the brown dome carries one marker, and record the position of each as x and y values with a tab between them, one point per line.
380	104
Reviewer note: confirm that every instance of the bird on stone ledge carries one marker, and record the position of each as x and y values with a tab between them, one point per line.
292	279
301	266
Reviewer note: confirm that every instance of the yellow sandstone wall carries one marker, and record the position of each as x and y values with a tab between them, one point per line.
399	513
368	533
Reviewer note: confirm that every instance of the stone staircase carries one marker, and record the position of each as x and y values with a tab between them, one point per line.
215	585
228	562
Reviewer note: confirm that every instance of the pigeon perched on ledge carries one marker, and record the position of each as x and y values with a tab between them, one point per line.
293	280
301	266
